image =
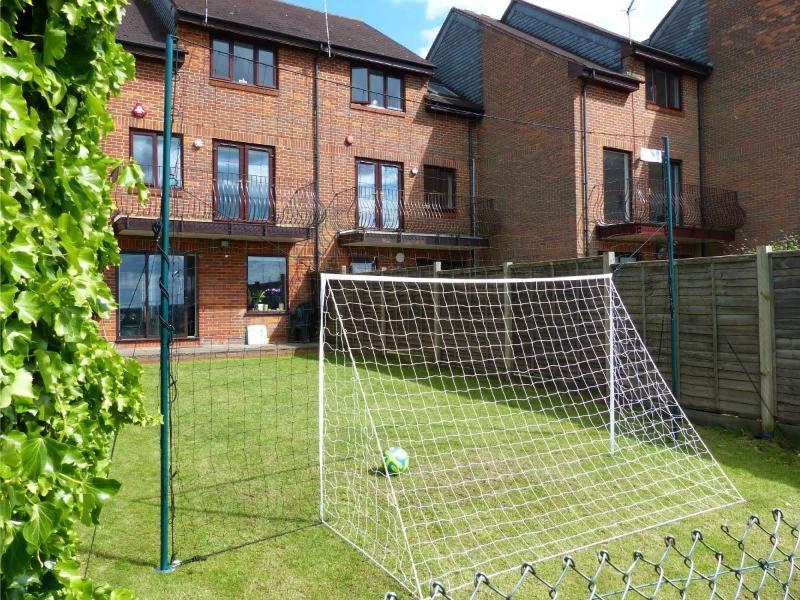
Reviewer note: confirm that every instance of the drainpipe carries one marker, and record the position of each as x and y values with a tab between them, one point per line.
584	170
473	186
317	171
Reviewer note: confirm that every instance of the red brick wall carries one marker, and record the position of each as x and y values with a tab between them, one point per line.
282	119
626	122
752	112
527	170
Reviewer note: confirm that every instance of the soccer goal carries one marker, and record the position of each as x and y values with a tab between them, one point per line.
534	421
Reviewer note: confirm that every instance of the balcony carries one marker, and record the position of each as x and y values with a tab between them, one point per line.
369	216
636	212
244	208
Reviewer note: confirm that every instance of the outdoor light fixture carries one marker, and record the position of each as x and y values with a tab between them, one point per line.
414	171
198	143
138	110
400	257
348	140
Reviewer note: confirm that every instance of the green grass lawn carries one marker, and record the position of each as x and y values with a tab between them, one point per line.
247	483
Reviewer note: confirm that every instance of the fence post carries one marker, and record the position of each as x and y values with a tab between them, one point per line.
609	260
766	340
507	349
437	323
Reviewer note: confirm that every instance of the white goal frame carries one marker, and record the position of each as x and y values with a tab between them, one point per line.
721	490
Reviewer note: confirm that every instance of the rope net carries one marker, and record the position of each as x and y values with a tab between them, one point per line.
535	421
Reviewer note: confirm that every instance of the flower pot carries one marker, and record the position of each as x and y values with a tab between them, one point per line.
261	307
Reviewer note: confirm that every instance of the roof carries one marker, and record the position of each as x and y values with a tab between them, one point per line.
442	98
610	74
684	31
583	39
593	43
293	23
141	30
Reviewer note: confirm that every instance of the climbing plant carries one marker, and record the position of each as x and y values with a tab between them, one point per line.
64	390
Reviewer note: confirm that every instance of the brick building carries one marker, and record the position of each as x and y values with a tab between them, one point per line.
290	157
750	103
570	171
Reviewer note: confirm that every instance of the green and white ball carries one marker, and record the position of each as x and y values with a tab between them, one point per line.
396	460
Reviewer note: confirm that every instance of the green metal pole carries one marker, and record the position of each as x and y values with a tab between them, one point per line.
164	561
671	282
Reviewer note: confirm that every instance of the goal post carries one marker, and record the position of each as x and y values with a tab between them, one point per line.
535	421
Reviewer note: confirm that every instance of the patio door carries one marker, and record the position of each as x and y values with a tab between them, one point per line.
379	195
243	181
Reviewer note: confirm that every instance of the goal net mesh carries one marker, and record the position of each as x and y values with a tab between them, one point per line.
535	421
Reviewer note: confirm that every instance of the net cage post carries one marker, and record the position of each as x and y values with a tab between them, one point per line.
321	393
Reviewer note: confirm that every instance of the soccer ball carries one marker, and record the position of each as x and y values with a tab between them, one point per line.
396	460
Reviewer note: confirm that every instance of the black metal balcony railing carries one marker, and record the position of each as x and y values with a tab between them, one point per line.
641	202
230	198
239	198
372	208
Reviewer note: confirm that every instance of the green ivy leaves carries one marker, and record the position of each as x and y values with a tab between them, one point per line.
64	391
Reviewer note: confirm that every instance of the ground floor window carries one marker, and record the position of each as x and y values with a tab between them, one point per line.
266	283
139	296
362	265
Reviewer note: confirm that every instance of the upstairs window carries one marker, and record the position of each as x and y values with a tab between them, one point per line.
663	88
147	147
440	187
376	88
243	63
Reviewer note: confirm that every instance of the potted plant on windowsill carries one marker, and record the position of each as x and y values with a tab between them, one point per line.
257	300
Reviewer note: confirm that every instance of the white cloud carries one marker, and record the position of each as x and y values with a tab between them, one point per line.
427	36
609	14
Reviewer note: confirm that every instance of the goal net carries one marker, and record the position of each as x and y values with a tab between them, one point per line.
535	422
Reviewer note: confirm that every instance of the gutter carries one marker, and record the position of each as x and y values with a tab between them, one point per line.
473	186
603	77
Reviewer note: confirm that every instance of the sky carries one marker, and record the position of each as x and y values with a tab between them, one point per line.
415	23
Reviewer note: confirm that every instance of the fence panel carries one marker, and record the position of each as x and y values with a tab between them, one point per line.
718	324
786	294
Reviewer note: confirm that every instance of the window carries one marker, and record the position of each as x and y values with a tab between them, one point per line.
379	194
243	181
139	297
440	187
616	185
663	88
147	148
362	265
376	88
243	62
266	283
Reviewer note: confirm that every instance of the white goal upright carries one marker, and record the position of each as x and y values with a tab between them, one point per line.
535	421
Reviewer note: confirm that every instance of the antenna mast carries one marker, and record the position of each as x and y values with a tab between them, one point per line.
628	12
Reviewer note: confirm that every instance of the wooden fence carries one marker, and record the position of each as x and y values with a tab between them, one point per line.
738	324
